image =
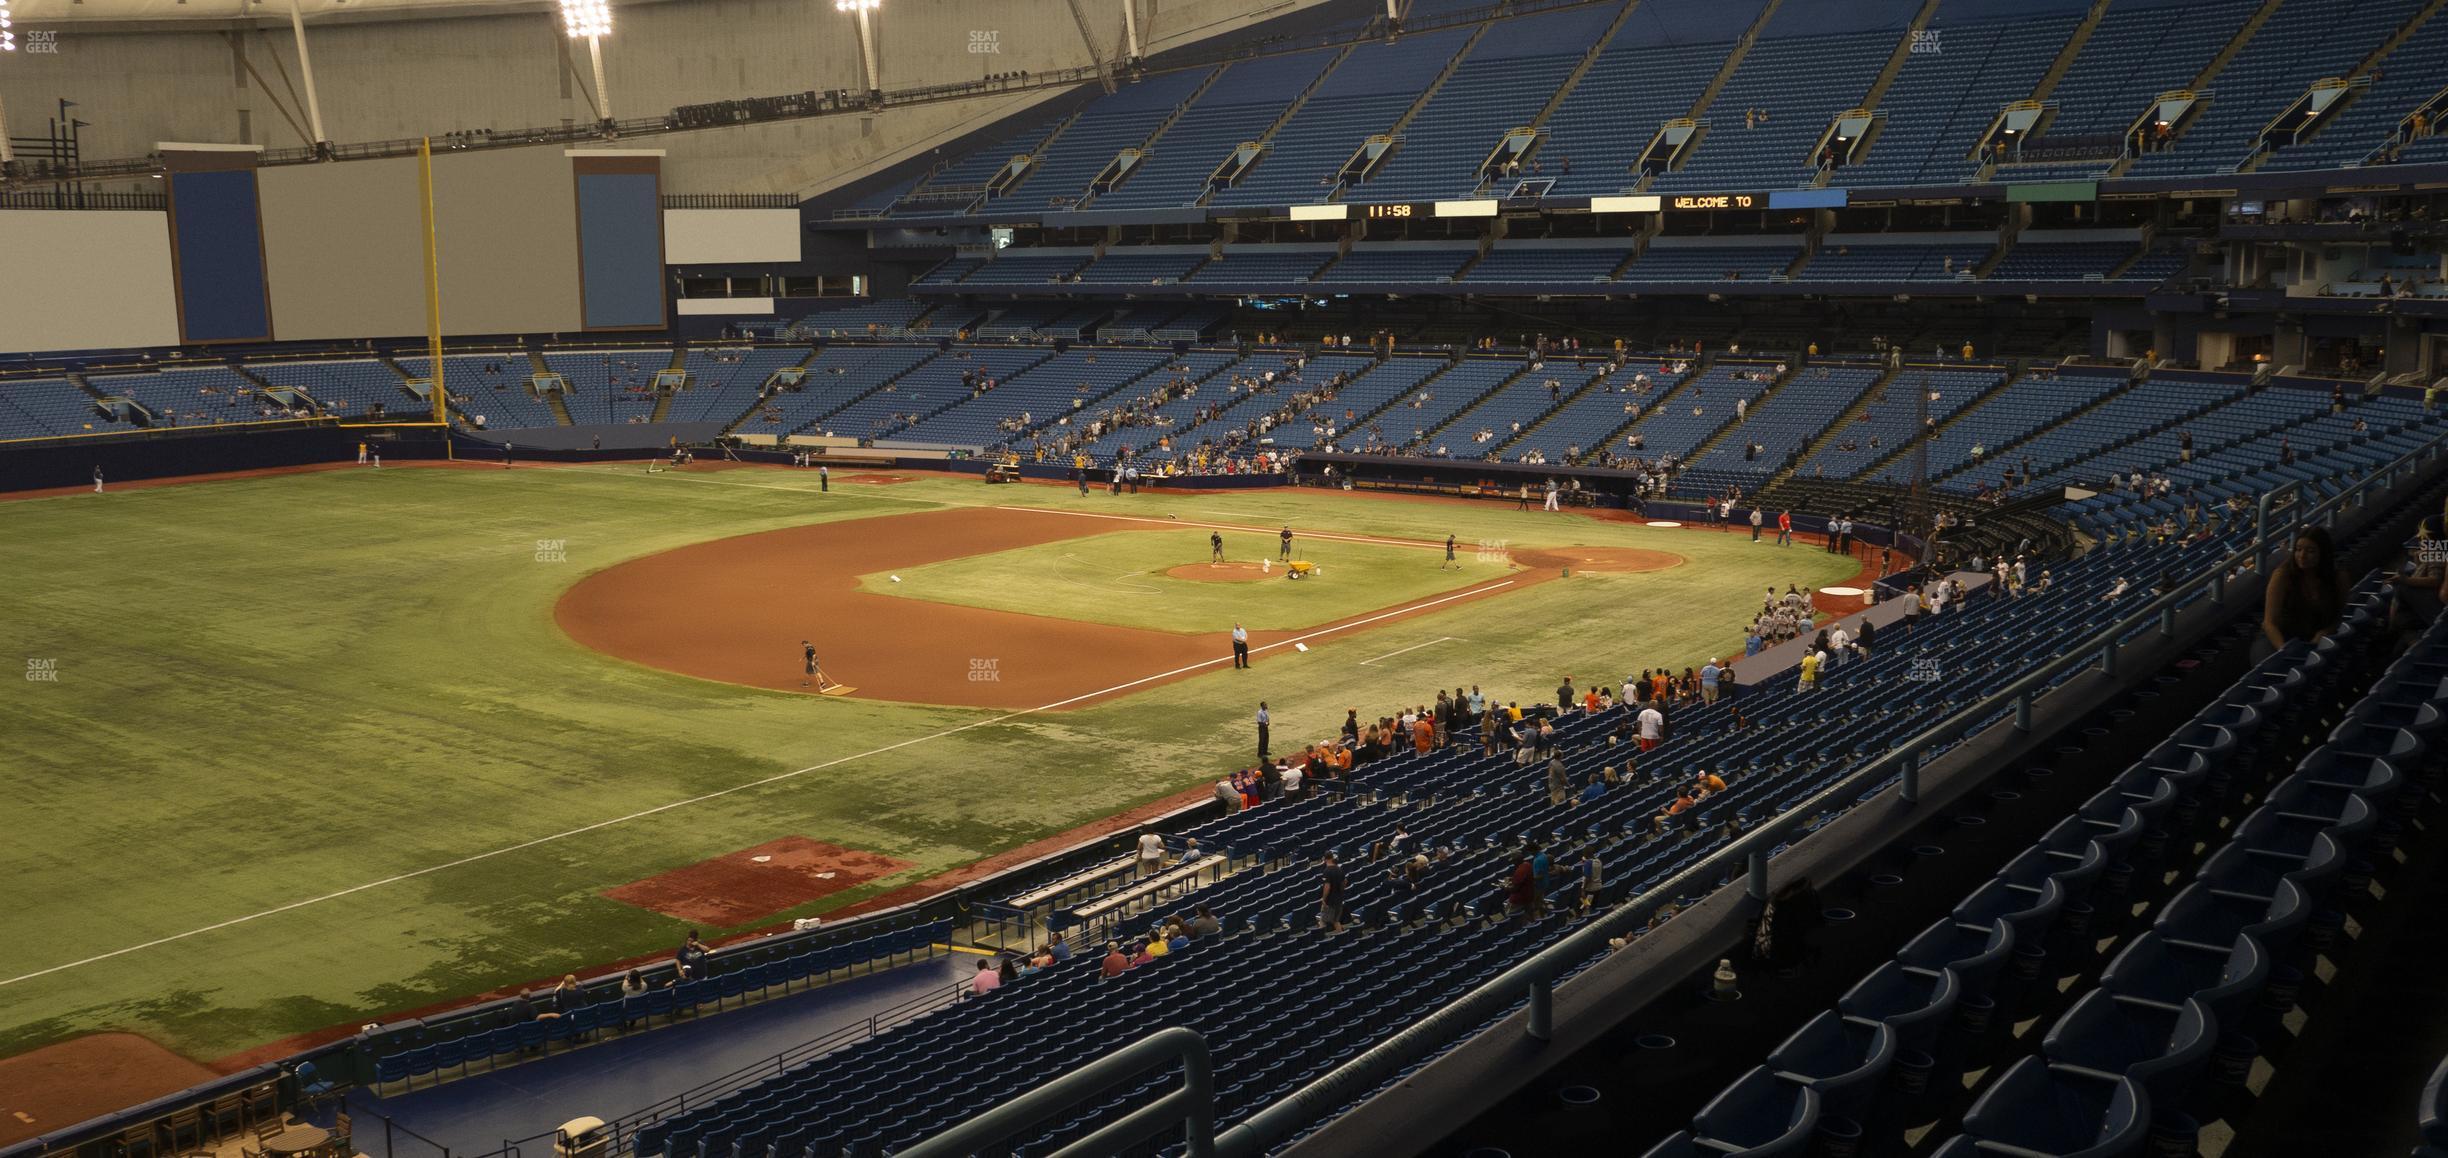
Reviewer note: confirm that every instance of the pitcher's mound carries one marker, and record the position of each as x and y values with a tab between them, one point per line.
1223	573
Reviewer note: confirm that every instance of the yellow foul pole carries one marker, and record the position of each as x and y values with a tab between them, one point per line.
433	292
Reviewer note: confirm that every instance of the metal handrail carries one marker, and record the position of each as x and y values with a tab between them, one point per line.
1193	1105
1535	978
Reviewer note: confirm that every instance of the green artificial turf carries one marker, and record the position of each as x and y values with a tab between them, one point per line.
328	720
1122	579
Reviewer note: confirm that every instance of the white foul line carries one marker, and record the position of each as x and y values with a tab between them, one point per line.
722	792
1414	647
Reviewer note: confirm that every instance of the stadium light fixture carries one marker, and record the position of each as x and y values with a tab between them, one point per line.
865	10
587	19
591	20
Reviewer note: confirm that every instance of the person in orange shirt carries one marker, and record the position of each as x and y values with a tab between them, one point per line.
1589	702
1423	736
1657	685
1711	781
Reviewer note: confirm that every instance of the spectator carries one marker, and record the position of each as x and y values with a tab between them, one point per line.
1521	890
1151	853
566	998
989	977
1058	949
2305	596
1205	924
1331	885
1559	786
691	958
1115	962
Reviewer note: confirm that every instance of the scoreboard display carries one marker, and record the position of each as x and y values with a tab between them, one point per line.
1709	202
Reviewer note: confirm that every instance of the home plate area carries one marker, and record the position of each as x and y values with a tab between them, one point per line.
740	887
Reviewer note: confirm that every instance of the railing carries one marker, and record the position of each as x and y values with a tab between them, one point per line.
730	201
1193	1105
625	1128
75	198
1533	981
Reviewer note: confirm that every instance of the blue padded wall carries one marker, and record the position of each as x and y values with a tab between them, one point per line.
620	249
219	256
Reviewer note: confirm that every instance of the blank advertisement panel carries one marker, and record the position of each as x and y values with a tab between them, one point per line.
730	236
345	245
85	280
509	242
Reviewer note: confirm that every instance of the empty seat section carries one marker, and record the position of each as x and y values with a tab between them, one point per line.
1122	119
2140	49
1949	92
1237	107
1511	73
2305	40
1808	65
1364	96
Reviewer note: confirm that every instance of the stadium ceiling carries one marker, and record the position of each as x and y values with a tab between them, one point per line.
37	13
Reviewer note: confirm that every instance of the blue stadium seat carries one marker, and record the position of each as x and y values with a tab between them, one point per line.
1761	1114
1913	1006
1840	1059
2039	1110
2162	1050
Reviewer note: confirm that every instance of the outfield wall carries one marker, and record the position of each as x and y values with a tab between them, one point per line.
175	454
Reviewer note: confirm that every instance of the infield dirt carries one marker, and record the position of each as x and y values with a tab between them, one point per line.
736	610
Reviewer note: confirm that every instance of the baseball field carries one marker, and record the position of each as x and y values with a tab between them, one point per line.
311	750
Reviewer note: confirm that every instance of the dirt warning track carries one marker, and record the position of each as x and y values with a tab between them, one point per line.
735	610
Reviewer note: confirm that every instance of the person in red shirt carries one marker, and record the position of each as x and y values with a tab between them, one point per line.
1115	962
1521	892
1784	528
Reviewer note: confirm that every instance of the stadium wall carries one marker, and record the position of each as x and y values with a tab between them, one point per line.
86	280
